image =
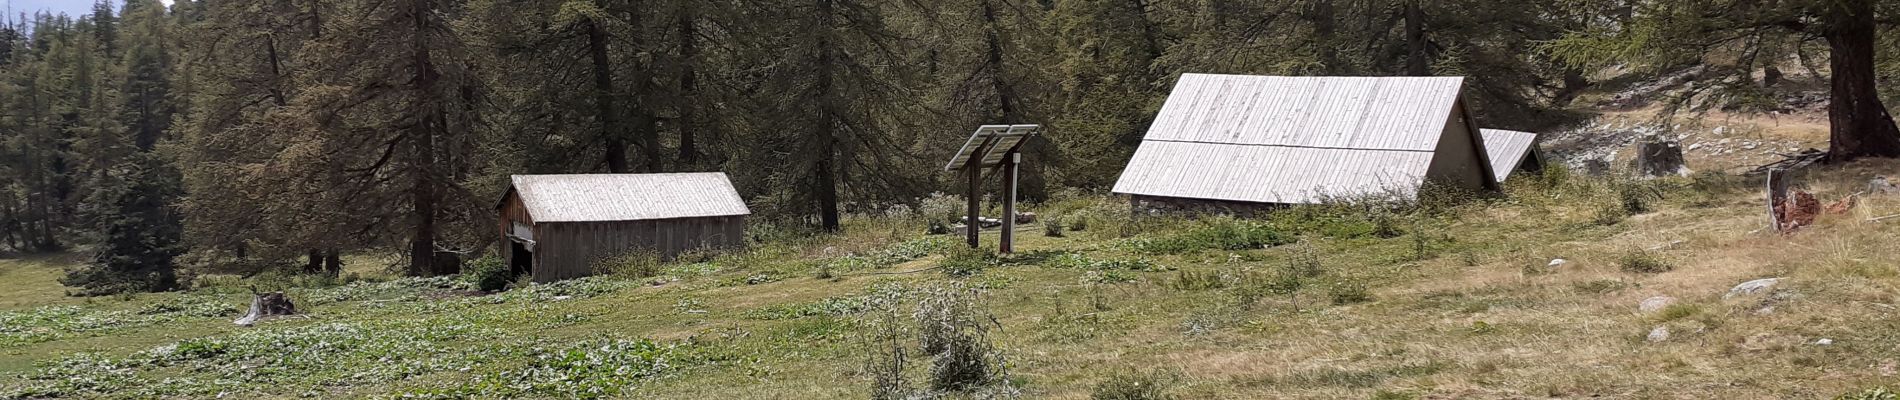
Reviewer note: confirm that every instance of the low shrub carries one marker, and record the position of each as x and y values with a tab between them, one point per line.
1222	233
488	274
1348	291
1876	393
632	265
965	261
951	329
1052	227
1132	385
1187	279
1644	262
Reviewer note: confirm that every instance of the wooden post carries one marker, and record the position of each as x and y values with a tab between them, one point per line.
976	174
1007	244
1777	192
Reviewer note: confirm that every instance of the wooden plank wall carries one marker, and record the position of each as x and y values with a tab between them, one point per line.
511	211
574	249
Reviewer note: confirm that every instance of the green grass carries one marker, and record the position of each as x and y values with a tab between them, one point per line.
1314	302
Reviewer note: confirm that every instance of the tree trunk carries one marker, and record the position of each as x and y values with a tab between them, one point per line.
1859	125
1324	36
689	87
1416	63
1035	182
823	174
429	121
332	263
313	262
645	125
612	130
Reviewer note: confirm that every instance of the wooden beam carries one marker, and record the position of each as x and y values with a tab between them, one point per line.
1007	244
976	173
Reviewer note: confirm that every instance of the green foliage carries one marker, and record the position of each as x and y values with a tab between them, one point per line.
488	274
1082	262
952	331
964	262
1874	393
1052	227
139	234
1644	262
890	255
1348	291
1189	279
1221	233
631	265
1635	197
1599	286
18	328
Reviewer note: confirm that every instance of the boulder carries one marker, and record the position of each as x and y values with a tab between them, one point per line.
1659	334
1753	287
1880	186
1556	262
1655	304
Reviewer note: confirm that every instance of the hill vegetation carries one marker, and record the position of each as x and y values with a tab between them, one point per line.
1355	301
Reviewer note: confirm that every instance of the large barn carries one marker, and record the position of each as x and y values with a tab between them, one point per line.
560	226
1239	142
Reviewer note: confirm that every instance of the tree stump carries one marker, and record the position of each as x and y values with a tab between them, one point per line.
1658	158
266	305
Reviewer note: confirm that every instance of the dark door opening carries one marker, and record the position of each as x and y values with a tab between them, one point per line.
521	261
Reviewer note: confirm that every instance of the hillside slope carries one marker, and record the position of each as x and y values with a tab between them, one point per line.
1459	305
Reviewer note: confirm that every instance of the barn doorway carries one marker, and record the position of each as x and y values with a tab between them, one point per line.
520	259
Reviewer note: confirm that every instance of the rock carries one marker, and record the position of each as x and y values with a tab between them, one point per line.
1557	262
562	297
1655	304
1659	334
1752	287
1824	342
1880	186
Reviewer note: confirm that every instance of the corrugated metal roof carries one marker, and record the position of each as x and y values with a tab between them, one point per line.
1507	150
628	197
1278	139
1270	174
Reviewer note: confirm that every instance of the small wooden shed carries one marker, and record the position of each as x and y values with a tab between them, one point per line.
561	226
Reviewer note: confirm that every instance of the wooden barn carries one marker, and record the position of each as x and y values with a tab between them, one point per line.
1244	143
560	226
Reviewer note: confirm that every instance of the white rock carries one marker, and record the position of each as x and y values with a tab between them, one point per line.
1655	304
1557	262
1659	334
562	297
1824	342
1752	287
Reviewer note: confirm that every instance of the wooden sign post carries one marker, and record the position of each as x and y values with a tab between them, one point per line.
996	147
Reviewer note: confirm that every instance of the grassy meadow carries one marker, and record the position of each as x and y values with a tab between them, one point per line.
1443	299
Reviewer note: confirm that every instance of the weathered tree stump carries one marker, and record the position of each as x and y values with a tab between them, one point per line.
1656	158
266	305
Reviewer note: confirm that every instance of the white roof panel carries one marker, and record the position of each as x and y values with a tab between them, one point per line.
628	197
1507	150
1274	139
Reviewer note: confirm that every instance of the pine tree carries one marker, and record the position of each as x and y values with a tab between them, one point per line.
139	233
